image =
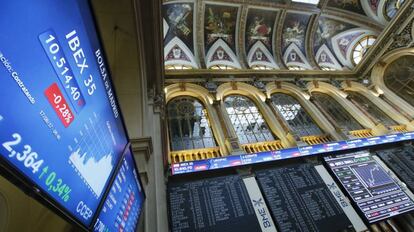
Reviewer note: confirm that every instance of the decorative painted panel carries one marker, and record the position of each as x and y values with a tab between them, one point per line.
294	30
348	5
220	23
179	18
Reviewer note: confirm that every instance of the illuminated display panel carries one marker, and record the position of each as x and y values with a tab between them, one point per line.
289	153
374	191
60	125
123	205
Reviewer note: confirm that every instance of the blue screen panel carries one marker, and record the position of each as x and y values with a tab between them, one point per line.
60	124
268	156
123	205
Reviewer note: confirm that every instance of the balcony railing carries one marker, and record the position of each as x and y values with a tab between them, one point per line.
262	146
195	154
316	139
399	128
364	133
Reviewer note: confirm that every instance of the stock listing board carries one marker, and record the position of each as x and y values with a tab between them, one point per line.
212	204
300	200
122	208
401	161
60	124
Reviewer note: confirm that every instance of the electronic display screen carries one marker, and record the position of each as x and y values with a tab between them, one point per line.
214	204
60	124
300	200
401	161
268	156
122	207
369	185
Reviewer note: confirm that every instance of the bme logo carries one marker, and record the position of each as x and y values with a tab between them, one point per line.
258	203
262	212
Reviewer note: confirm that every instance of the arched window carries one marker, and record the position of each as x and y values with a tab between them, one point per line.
327	68
295	115
178	67
261	67
296	68
372	109
188	125
399	78
335	111
361	48
222	67
247	121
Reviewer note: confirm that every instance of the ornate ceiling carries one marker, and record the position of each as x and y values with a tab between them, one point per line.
270	34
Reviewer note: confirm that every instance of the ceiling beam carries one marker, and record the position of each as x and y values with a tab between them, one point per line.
200	11
258	78
278	39
287	6
250	72
240	42
310	35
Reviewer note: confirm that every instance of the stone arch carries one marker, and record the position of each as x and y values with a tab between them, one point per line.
377	78
340	97
303	99
259	99
373	97
202	94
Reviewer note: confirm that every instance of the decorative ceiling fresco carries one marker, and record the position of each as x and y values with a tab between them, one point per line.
260	28
179	35
220	35
293	40
272	34
354	6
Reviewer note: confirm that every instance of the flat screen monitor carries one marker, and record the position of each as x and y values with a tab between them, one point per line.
372	188
123	205
60	123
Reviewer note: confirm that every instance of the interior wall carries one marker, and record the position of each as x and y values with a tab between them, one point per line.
19	212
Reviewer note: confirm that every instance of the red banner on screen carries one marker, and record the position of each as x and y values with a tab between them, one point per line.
59	104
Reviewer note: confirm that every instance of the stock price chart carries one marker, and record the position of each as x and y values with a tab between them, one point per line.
374	191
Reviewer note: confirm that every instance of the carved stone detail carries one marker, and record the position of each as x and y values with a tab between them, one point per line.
403	39
211	86
142	146
381	46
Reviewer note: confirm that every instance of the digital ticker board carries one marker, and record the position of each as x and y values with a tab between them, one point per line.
288	153
124	202
60	125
